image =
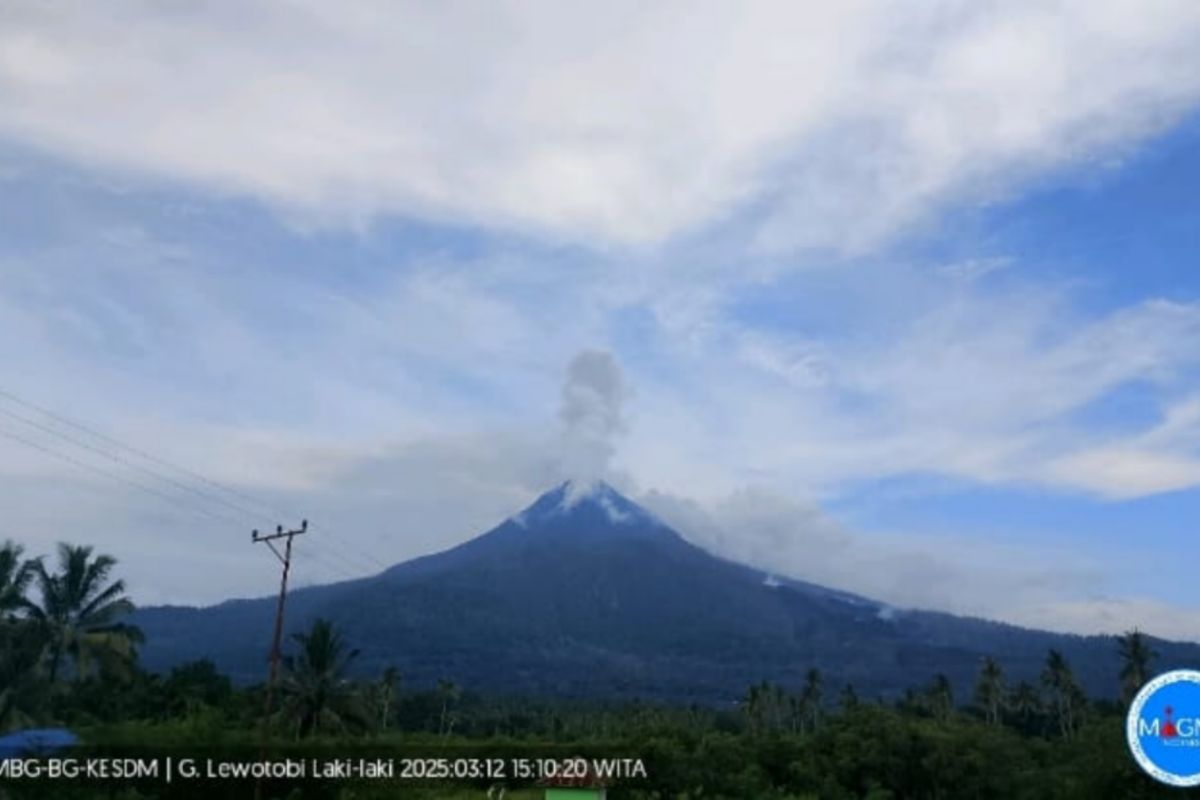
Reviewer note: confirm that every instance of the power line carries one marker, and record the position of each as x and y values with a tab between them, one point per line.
105	473
368	559
128	448
371	559
124	462
170	465
174	500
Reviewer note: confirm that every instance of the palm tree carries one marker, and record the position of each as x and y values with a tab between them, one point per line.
989	690
795	713
1025	704
766	706
754	705
387	693
449	692
15	575
777	703
810	698
849	698
316	693
21	642
941	696
1063	690
80	614
1136	655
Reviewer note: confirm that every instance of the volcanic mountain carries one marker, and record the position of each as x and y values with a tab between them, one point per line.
585	593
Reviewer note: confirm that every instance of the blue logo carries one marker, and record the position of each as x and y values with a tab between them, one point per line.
1163	728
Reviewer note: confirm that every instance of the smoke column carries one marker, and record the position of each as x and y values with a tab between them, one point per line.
592	399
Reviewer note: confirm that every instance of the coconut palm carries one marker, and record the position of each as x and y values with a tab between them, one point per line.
1025	703
940	696
810	698
387	694
1136	655
79	613
21	642
755	706
449	692
15	575
777	705
849	698
795	713
317	696
1063	690
989	690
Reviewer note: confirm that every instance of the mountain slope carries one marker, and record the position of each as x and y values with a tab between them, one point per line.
586	593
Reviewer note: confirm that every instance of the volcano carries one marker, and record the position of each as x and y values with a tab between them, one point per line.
587	594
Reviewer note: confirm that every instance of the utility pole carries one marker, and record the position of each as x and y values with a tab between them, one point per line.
285	558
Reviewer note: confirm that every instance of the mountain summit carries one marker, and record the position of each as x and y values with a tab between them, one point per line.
582	507
587	593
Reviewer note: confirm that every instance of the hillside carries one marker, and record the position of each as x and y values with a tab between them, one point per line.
588	594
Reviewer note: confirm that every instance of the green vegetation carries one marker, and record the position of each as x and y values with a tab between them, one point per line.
317	696
67	658
80	616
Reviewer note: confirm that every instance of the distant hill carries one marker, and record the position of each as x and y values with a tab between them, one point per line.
585	593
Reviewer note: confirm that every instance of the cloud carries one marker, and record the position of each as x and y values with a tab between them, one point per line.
1042	586
991	385
825	126
1163	458
593	395
1120	472
1111	615
987	382
411	402
397	501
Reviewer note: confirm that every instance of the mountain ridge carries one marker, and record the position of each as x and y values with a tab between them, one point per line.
586	593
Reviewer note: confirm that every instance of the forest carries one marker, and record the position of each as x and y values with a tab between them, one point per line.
68	659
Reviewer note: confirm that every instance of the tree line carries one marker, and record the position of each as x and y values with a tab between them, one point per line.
69	656
1056	705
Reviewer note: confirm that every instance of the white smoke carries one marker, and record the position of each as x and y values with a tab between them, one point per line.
593	395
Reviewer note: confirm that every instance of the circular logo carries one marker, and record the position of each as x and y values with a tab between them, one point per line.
1163	728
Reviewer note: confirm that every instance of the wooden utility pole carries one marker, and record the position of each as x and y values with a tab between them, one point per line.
285	558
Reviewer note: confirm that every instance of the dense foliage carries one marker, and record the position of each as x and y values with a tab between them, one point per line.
66	658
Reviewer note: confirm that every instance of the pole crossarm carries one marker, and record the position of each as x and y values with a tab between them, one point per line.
279	533
285	558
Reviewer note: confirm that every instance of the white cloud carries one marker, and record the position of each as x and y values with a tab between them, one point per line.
1111	615
977	381
1121	473
412	409
1164	458
843	123
1044	586
935	377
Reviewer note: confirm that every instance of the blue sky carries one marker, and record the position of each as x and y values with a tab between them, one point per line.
903	302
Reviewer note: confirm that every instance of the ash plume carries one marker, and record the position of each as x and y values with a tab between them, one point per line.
593	397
